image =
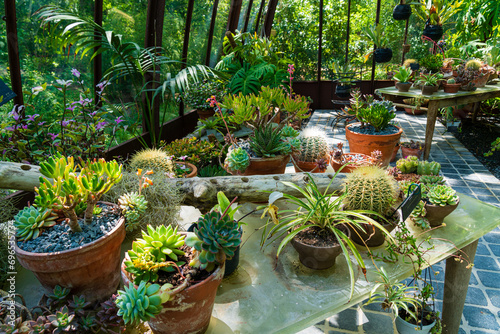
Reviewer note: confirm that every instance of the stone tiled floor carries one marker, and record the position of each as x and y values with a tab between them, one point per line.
466	175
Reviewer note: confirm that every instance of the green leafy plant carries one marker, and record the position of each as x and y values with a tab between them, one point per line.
237	159
323	210
428	168
62	321
433	63
437	12
442	195
198	152
211	171
403	74
378	114
429	79
30	221
376	35
267	141
197	96
407	165
432	179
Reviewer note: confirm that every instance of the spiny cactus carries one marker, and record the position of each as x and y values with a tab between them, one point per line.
139	304
237	159
432	179
212	236
30	221
473	64
428	168
407	165
370	188
451	81
158	250
152	159
442	195
133	206
313	148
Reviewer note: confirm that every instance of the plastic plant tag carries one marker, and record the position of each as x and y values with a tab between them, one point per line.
6	94
412	199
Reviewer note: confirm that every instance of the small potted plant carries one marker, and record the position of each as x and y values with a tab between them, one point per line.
451	86
322	216
348	162
402	11
430	83
402	78
412	148
80	253
382	53
416	104
374	131
314	153
343	76
197	95
184	304
438	201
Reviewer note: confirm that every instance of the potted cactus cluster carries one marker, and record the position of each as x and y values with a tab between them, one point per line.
314	153
171	278
67	237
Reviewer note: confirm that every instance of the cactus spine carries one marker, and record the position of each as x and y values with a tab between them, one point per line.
370	188
313	148
152	159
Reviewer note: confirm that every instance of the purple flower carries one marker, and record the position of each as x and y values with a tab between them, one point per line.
36	90
41	123
10	128
291	69
92	114
100	125
102	85
72	107
53	136
183	158
64	83
15	113
75	72
31	118
118	120
66	123
24	126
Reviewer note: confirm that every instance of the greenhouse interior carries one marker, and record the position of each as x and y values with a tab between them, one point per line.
237	166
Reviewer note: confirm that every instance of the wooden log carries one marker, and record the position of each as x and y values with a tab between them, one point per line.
199	192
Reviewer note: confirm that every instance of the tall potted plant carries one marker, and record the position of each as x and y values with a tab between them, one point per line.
373	132
184	304
83	254
382	53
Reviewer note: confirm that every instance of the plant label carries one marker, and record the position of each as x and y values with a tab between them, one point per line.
411	201
6	94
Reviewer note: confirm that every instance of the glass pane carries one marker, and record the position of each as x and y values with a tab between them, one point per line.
200	26
219	31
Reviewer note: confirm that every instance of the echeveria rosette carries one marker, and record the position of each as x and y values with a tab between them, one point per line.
141	303
237	160
158	250
214	236
442	195
30	221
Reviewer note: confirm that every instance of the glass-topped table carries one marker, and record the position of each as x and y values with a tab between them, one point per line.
440	100
266	295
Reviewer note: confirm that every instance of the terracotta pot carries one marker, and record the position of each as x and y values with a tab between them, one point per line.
369	235
481	81
266	166
307	166
406	151
411	111
318	257
349	168
205	113
395	152
436	214
194	170
190	310
403	86
451	88
366	144
429	90
91	270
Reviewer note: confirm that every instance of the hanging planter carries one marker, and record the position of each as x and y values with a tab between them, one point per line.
401	12
343	91
382	55
433	31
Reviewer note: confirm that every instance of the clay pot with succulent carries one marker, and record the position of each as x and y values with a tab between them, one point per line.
438	201
451	86
410	168
412	148
59	247
402	78
314	153
429	83
318	228
171	278
374	131
416	106
348	162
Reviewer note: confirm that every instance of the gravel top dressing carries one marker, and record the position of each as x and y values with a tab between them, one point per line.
60	238
370	130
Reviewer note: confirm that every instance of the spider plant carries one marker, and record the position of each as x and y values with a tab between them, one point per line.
324	210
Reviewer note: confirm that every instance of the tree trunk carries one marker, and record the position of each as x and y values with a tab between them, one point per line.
198	192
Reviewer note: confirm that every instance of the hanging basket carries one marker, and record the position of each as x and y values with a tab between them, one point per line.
382	55
433	31
401	12
343	91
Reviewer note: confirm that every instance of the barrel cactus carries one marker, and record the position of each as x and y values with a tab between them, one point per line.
237	159
473	64
214	235
152	159
451	81
133	206
428	168
407	165
442	195
30	221
370	188
313	148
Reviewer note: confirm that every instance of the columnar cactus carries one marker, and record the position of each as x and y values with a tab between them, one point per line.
370	188
313	148
428	168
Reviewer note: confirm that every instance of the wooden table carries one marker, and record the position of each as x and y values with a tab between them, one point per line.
268	296
440	100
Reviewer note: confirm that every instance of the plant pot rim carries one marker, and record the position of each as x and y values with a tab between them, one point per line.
400	130
442	206
194	169
277	157
83	248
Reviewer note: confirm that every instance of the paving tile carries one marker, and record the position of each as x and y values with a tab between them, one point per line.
494	297
481	318
486	263
489	279
495	249
347	319
475	184
488	199
492	237
482	191
451	171
464	190
461	331
475	296
336	332
312	330
479	332
455	182
482	249
377	323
